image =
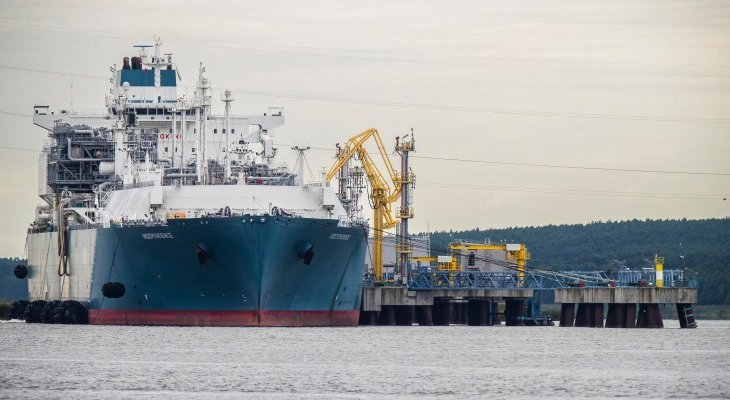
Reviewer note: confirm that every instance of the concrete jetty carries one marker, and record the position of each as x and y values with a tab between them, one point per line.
397	305
622	306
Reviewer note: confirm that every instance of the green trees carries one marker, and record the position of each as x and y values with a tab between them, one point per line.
701	247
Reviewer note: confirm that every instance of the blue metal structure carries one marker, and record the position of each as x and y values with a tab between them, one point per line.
429	278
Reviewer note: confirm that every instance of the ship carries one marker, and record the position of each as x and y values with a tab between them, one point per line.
158	212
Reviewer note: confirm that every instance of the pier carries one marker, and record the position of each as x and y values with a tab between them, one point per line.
588	299
400	305
622	305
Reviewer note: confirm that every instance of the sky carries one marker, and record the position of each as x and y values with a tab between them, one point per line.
525	113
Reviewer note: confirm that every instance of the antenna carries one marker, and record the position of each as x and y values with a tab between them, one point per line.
299	164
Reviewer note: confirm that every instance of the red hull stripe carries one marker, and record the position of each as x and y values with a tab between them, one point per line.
224	318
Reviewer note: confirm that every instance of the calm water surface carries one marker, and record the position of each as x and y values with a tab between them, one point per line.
108	362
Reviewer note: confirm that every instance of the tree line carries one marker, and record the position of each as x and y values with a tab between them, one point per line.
700	247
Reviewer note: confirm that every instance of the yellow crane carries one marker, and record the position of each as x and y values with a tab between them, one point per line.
516	252
383	190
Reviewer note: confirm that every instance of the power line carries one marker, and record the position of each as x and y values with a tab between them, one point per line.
18	149
15	113
484	110
352	54
577	167
580	192
46	71
426	106
652	171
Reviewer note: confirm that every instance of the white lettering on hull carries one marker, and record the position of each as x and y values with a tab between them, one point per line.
339	236
160	235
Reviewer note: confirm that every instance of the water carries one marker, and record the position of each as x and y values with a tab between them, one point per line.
457	362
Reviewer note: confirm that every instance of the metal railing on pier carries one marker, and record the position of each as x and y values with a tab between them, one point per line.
431	278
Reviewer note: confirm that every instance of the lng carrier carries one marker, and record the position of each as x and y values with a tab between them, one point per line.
159	212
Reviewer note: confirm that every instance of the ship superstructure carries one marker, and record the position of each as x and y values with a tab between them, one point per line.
189	213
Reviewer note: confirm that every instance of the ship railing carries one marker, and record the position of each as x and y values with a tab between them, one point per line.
136	185
368	280
138	222
78	227
89	112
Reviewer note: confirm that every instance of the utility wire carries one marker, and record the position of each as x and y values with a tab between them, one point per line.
580	192
18	149
652	171
15	113
484	110
353	54
578	167
425	106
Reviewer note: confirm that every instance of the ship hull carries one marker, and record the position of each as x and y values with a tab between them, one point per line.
233	271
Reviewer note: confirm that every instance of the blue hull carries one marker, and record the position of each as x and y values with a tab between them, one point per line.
236	271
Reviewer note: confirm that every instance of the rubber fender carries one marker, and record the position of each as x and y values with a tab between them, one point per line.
49	312
17	309
33	311
21	271
75	313
113	290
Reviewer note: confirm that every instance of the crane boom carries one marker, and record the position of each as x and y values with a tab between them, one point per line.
383	190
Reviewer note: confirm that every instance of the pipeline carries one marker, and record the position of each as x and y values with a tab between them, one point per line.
72	158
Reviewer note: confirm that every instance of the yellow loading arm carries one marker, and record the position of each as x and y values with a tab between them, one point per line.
515	252
382	193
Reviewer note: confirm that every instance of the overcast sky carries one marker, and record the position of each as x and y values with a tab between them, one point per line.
637	85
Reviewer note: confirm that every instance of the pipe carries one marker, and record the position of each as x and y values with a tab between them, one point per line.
70	157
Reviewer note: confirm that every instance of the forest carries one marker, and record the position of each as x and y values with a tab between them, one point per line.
700	247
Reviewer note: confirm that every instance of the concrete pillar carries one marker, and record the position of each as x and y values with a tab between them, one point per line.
598	315
612	320
369	317
567	314
583	315
616	315
630	319
686	316
650	316
621	315
514	312
478	310
495	318
442	313
589	315
458	316
387	315
424	315
404	315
